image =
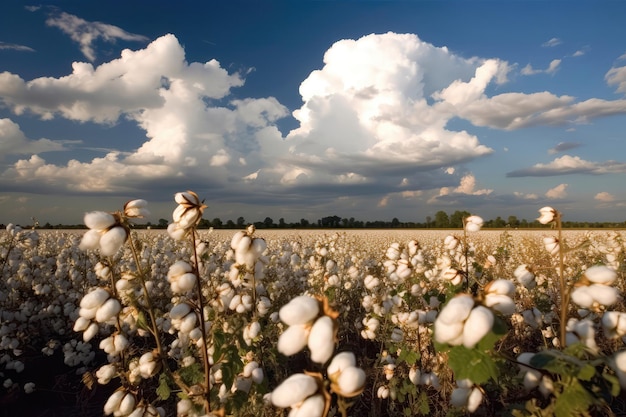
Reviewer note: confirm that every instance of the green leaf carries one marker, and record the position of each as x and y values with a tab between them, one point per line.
423	407
542	360
163	390
586	372
472	364
192	374
574	400
409	356
141	322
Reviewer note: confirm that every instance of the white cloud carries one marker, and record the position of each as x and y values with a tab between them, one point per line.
526	196
85	33
552	42
557	192
563	146
552	68
617	77
567	164
466	186
14	142
15	47
605	197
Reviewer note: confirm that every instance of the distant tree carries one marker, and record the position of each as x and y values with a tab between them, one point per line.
304	223
456	220
230	224
428	221
163	223
241	222
499	222
268	222
281	223
441	219
216	222
395	222
513	221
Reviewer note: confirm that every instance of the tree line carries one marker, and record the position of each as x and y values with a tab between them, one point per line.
441	220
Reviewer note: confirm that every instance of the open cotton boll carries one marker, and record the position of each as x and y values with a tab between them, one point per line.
477	325
614	324
95	298
99	220
179	311
113	402
299	310
293	390
340	362
502	303
500	287
457	309
81	324
313	406
90	240
127	405
90	332
113	240
600	274
322	339
351	381
451	334
474	400
109	309
293	339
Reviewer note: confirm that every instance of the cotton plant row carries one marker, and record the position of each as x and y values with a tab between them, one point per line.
196	324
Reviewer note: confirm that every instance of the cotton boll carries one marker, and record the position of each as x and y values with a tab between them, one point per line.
600	274
109	309
502	303
257	375
603	294
351	381
95	298
340	362
99	220
179	311
582	297
299	310
500	287
81	324
311	407
112	240
474	400
90	332
477	325
90	240
322	339
451	334
185	283
127	405
294	390
113	402
293	339
457	309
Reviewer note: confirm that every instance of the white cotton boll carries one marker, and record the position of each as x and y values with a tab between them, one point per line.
81	324
477	325
451	334
351	380
500	287
474	400
120	342
185	283
190	217
551	244
113	403
188	323
340	362
473	223
109	309
91	331
105	373
322	339
293	339
582	297
99	220
600	274
502	303
371	282
178	268
414	375
299	310
234	242
263	305
90	240
179	311
457	309
175	231
603	294
403	271
257	375
107	345
112	240
127	405
234	302
258	246
248	368
525	277
382	392
95	298
311	407
294	390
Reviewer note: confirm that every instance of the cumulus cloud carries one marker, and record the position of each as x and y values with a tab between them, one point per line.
567	164
557	192
563	146
14	142
466	187
167	98
15	47
604	197
85	33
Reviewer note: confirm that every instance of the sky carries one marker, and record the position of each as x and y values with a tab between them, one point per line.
306	109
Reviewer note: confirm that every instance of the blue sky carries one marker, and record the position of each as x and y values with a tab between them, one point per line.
303	109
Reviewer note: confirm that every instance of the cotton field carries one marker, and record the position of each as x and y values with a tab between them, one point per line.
313	323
